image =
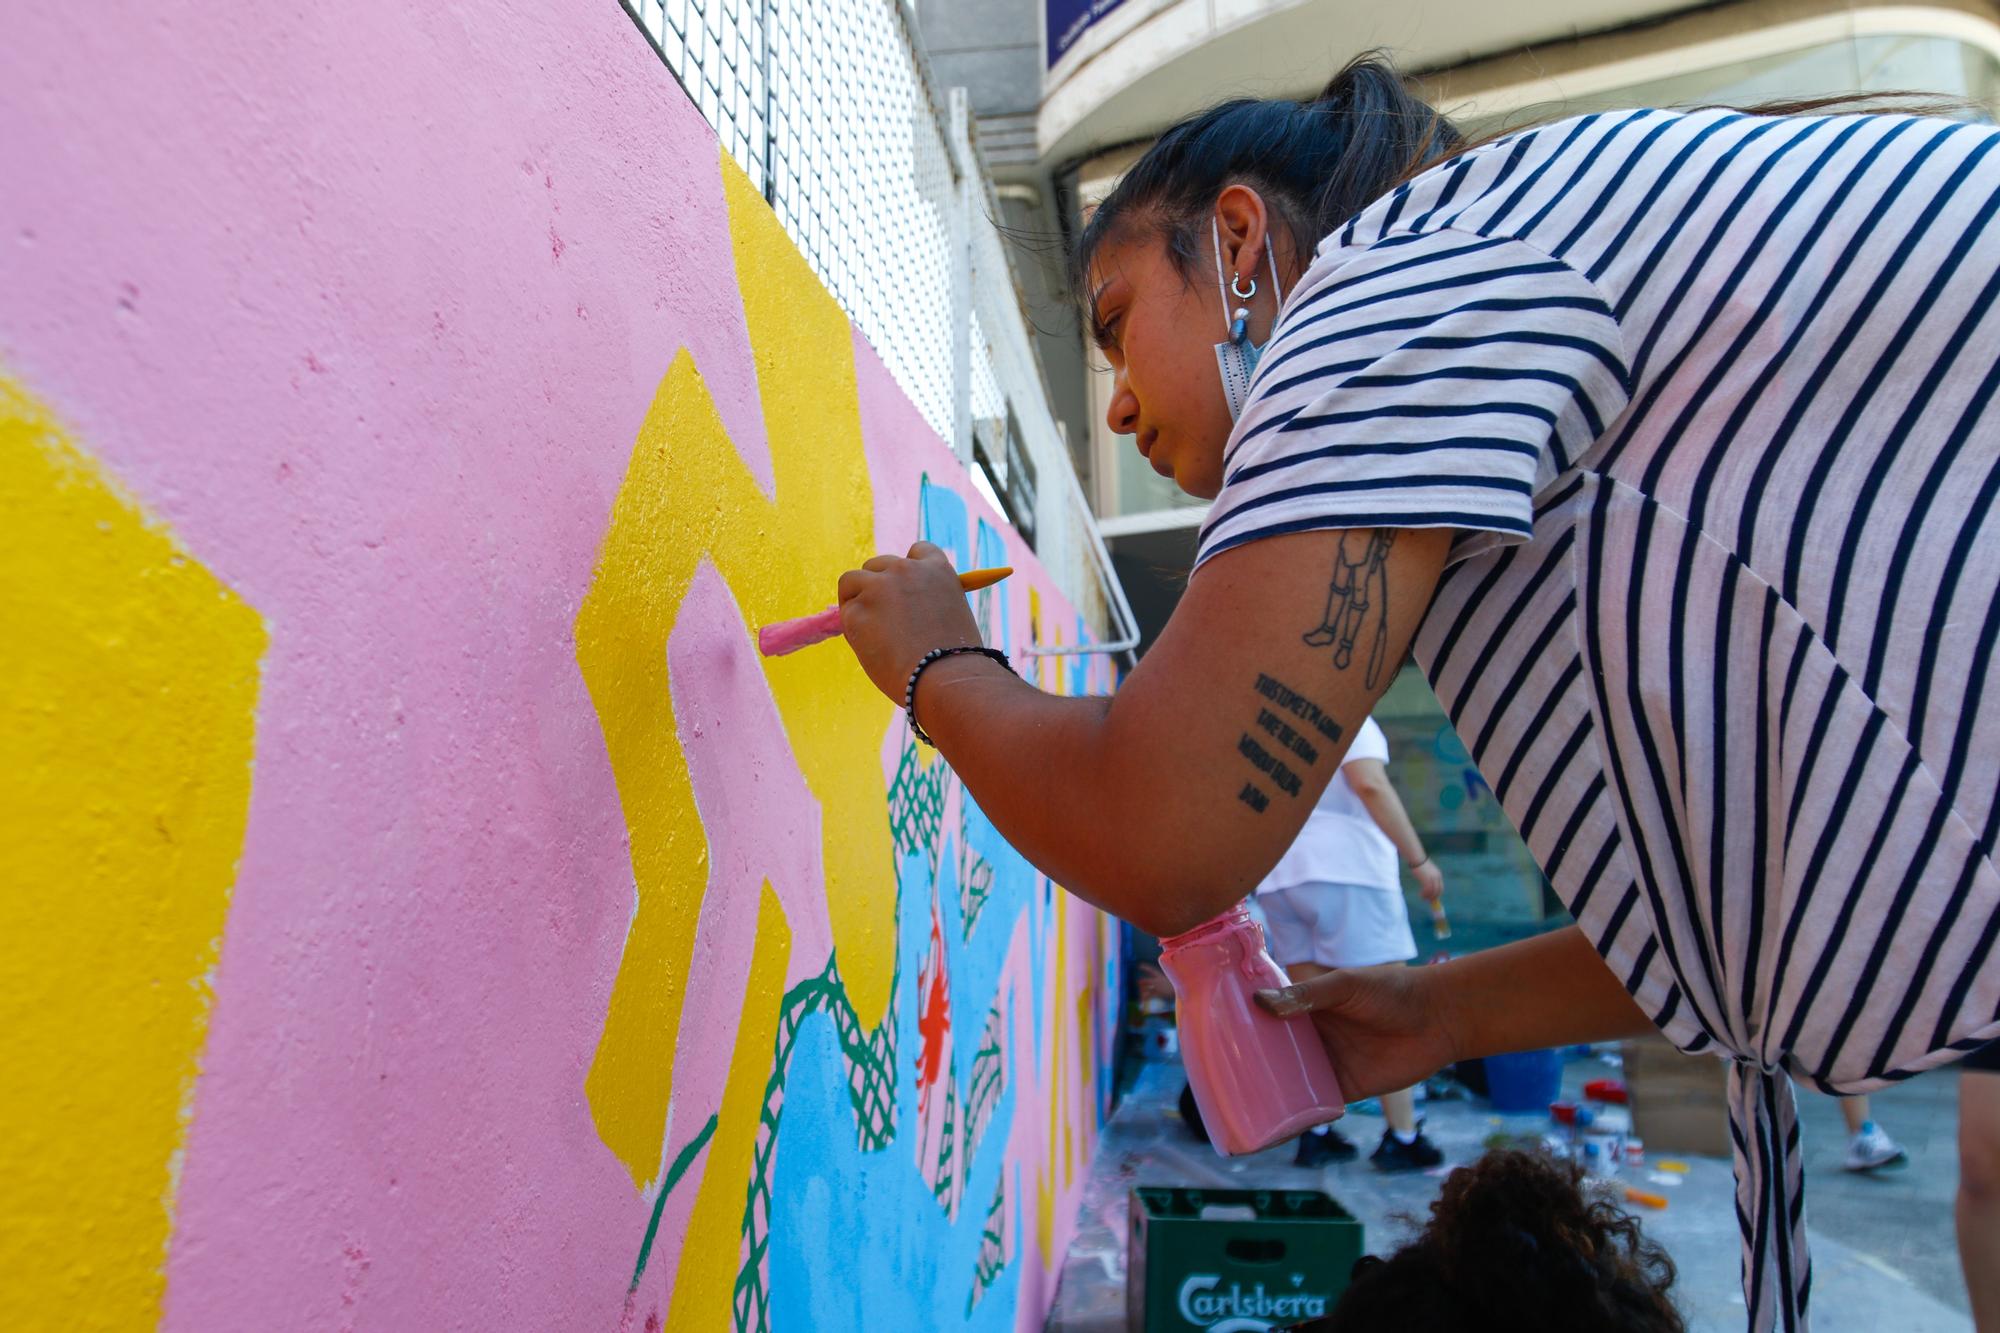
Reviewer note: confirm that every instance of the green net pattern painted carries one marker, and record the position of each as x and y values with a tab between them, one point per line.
988	1081
916	803
992	1255
975	880
870	1057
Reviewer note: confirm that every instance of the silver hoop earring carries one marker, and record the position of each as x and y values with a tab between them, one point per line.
1237	291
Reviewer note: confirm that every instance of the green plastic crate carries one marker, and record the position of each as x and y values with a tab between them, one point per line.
1235	1261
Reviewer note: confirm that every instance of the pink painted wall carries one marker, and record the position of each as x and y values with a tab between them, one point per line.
369	305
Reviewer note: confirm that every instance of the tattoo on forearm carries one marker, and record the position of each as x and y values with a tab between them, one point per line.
1300	707
1291	742
1269	765
1357	601
1280	731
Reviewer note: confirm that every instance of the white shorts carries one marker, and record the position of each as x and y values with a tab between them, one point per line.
1335	925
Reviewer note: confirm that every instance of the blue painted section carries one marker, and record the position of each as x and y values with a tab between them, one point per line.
974	969
944	522
1013	878
992	550
857	1240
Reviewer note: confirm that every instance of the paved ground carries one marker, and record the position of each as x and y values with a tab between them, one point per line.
1884	1255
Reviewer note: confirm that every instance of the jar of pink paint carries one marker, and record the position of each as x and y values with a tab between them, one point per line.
1259	1079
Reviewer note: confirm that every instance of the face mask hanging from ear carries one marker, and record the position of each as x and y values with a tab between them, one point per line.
1237	358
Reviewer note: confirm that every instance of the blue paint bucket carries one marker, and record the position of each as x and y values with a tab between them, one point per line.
1526	1081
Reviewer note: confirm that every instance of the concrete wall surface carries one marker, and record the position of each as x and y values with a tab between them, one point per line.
420	906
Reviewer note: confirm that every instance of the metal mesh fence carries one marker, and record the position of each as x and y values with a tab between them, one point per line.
863	178
831	110
717	49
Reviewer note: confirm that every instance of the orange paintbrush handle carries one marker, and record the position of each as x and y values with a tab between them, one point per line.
972	580
788	636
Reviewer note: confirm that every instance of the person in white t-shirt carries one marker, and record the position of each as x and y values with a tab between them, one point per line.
1335	900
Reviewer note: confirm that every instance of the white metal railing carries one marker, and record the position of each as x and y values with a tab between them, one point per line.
832	111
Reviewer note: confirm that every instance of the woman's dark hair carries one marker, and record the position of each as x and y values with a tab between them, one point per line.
1514	1242
1319	162
1316	163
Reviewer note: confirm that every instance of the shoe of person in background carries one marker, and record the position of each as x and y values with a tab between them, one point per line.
1392	1154
1191	1114
1317	1147
1872	1150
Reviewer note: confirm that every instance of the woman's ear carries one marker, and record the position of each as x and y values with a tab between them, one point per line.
1243	224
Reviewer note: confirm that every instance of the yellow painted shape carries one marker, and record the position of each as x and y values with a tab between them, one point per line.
705	1282
687	497
1057	1063
128	692
1086	1077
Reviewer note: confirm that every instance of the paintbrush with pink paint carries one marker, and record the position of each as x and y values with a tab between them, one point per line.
788	636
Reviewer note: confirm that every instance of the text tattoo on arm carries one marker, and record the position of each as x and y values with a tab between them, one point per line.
1357	601
1288	727
1356	617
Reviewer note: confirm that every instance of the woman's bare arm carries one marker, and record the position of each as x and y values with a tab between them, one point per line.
1387	1028
1552	990
1370	780
1168	802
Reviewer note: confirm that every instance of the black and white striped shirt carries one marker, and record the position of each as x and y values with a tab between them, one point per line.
1711	398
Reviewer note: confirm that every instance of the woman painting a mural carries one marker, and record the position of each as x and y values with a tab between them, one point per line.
1667	443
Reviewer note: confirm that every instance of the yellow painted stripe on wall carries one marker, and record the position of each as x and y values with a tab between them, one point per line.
128	691
687	497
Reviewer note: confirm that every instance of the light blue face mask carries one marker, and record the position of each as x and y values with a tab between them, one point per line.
1238	357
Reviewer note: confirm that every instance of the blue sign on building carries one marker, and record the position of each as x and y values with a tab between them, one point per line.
1069	20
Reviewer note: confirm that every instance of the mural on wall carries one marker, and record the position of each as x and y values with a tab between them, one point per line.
821	898
560	962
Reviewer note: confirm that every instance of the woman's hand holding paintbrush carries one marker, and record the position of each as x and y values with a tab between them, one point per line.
791	635
895	609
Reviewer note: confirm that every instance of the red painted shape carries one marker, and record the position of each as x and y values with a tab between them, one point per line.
933	1014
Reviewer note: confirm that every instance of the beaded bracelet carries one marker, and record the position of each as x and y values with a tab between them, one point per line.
938	655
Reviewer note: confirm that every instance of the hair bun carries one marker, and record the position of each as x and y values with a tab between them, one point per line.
1369	72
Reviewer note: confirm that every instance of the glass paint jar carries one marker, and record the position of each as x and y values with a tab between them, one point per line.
1259	1079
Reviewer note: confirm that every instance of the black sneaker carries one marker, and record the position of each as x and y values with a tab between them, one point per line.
1317	1147
1191	1114
1395	1155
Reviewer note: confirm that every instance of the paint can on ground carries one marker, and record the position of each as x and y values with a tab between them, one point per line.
1526	1081
1603	1154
